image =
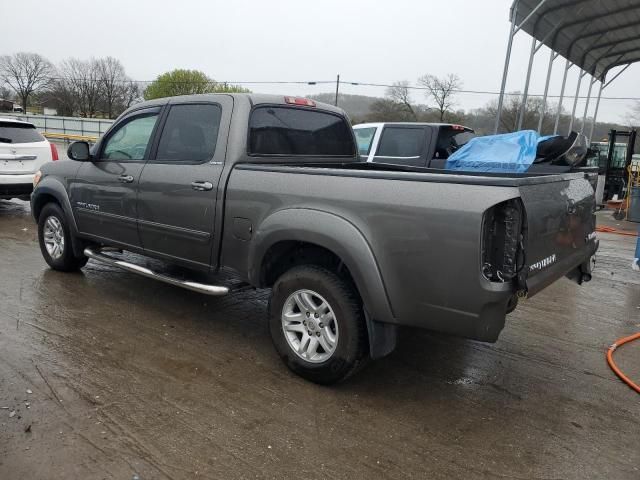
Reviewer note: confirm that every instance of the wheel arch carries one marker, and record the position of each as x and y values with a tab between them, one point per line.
288	236
52	191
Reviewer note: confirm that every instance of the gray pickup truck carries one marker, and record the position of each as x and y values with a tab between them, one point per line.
273	188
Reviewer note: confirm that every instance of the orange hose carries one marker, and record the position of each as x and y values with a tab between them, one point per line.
614	367
613	230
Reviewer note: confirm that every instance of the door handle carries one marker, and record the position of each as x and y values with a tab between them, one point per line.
125	179
202	186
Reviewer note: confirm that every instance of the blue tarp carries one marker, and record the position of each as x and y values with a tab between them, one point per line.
505	153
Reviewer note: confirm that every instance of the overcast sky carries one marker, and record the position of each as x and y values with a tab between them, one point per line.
287	40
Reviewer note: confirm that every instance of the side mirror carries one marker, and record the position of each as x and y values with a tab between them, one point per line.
79	151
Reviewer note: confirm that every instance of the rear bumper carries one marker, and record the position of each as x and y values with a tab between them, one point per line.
14	190
17	179
12	186
482	312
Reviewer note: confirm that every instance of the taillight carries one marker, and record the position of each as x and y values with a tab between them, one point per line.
54	151
300	101
502	237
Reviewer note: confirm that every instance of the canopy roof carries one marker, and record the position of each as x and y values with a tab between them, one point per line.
595	35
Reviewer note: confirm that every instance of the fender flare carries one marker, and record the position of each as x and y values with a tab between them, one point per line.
345	240
54	188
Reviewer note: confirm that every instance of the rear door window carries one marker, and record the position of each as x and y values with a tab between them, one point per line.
13	132
402	145
364	139
190	133
292	131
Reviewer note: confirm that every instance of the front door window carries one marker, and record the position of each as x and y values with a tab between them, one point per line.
131	139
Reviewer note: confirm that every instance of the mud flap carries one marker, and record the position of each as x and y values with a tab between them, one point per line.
382	337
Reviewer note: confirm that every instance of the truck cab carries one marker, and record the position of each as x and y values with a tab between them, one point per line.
410	143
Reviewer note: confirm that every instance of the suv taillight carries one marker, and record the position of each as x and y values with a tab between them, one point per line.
54	151
502	238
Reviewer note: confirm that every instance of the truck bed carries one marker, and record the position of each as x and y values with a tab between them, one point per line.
441	261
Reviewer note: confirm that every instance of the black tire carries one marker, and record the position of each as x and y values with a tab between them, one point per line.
351	348
66	261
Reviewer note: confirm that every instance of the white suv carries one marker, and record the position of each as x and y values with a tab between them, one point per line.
23	150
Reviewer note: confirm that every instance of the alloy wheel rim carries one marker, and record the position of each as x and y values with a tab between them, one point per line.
310	326
53	237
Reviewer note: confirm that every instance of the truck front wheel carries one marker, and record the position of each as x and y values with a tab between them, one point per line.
55	240
317	324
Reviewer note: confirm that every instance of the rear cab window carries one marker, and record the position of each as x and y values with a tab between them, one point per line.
292	131
17	132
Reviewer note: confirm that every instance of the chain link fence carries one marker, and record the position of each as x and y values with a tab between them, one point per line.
67	128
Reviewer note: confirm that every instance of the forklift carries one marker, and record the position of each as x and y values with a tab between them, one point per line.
618	161
613	159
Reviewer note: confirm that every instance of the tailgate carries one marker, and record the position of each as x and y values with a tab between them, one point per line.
16	159
559	228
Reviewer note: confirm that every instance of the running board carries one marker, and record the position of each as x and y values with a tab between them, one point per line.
214	290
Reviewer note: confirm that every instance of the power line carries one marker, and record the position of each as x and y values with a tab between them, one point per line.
316	82
478	92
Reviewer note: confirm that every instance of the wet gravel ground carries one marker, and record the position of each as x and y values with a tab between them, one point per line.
105	375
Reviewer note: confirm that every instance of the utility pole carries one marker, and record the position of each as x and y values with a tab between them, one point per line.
337	89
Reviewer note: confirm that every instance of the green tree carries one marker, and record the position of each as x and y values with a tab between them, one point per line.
186	82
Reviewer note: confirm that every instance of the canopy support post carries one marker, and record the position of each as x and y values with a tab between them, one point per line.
507	59
543	107
523	105
586	105
581	74
595	113
567	66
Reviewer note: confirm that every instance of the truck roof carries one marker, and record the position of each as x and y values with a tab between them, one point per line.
427	124
253	98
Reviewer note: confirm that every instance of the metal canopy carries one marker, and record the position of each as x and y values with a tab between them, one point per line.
595	35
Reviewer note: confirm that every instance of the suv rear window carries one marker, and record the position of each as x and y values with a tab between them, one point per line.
12	132
295	131
402	142
451	139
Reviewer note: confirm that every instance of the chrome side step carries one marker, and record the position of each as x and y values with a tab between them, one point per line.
214	290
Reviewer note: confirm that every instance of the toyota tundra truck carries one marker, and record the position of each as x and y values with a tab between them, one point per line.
273	189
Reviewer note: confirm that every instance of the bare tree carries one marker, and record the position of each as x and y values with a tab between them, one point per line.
63	96
633	115
399	93
5	92
132	94
511	110
26	73
113	83
82	78
442	91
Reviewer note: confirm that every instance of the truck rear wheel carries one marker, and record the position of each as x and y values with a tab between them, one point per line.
317	324
54	236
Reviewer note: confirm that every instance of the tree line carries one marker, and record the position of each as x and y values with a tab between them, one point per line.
97	87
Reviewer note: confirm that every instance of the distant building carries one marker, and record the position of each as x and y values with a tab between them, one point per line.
9	106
